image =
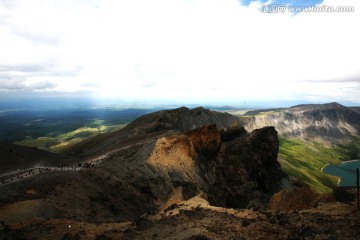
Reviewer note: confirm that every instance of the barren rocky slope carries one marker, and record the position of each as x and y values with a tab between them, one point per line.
195	219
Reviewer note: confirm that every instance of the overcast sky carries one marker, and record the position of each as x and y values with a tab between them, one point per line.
180	50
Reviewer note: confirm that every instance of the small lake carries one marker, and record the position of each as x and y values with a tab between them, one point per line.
346	171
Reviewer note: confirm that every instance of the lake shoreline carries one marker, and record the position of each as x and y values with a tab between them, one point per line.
347	161
338	174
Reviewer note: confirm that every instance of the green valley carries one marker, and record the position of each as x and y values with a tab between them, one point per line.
304	160
60	142
311	136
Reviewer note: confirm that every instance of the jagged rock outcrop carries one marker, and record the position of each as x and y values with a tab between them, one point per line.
234	170
245	172
329	122
206	140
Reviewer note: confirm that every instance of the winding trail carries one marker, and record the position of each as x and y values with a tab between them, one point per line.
19	174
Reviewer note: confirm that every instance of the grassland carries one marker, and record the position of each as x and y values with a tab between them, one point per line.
58	143
304	160
55	129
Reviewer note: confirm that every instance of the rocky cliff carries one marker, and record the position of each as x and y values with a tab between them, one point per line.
329	122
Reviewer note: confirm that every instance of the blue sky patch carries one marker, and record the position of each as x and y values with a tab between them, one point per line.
286	2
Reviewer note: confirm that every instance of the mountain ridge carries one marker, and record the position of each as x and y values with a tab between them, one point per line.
154	125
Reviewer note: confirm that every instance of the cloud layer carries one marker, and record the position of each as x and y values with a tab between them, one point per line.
219	50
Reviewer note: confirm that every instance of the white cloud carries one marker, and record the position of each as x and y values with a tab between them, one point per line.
185	50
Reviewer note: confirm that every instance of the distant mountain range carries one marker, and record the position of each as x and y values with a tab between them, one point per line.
330	122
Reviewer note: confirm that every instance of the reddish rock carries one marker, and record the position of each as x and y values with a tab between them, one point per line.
298	199
206	139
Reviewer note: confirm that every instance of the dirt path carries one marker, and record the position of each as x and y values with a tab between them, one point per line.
19	174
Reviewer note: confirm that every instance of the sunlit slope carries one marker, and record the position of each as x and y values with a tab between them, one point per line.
304	160
60	142
56	129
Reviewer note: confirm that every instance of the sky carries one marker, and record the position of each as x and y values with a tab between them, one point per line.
184	51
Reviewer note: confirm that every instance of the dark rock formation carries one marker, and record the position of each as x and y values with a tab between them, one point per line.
240	169
245	172
206	140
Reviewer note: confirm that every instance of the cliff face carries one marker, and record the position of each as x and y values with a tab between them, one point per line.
233	168
329	122
206	140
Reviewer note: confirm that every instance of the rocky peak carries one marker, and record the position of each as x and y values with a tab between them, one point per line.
326	106
184	119
154	125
